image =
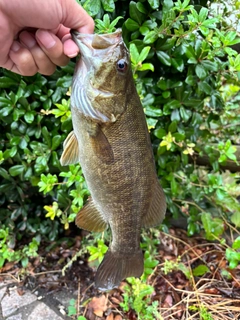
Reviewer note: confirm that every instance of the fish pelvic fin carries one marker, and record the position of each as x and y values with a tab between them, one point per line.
116	267
70	153
157	209
89	218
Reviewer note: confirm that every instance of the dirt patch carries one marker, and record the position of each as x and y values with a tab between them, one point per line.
179	291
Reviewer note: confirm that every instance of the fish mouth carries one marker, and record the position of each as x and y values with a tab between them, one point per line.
96	45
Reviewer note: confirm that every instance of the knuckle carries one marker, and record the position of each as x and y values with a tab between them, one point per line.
49	71
25	63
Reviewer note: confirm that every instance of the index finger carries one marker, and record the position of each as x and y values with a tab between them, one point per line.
75	17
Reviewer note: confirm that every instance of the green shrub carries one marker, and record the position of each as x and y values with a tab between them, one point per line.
187	76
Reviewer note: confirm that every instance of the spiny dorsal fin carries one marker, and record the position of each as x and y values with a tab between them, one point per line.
70	153
102	147
89	218
157	209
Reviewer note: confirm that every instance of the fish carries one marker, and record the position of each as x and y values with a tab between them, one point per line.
111	141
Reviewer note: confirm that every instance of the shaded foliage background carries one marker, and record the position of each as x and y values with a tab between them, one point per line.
187	75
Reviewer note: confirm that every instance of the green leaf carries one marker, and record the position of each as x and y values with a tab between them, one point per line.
154	4
167	5
185	114
56	142
150	37
113	23
177	63
203	14
146	66
214	227
131	25
191	80
7	82
201	72
29	116
162	84
205	87
174	186
4	112
153	111
174	114
24	262
173	104
144	30
108	5
235	218
200	270
135	14
47	136
236	244
144	53
16	170
92	7
173	126
209	65
164	58
166	94
4	174
233	257
160	133
190	52
210	23
141	7
134	53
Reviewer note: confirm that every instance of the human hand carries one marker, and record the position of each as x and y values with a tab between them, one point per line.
35	35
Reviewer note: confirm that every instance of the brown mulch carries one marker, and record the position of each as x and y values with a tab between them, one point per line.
178	296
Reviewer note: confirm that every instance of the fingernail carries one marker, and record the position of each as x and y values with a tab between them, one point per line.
66	37
45	38
28	40
73	55
15	46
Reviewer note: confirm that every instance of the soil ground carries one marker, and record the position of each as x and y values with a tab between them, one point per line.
179	294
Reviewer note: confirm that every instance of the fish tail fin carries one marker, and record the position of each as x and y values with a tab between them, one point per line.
115	267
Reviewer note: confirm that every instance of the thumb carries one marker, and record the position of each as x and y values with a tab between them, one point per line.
75	17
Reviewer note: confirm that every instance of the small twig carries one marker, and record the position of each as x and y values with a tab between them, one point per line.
78	297
46	272
84	292
10	275
185	243
74	258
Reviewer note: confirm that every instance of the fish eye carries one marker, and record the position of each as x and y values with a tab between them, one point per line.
121	65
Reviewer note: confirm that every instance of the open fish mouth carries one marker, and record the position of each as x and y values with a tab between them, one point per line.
97	45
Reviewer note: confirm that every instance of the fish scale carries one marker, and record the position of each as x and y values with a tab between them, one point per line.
111	141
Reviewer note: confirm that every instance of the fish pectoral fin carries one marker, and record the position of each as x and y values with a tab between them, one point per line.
89	218
157	209
116	267
70	153
102	147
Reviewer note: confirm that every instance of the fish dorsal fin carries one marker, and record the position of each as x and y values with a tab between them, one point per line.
157	209
101	146
89	218
70	153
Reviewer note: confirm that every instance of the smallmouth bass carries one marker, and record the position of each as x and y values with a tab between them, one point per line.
111	141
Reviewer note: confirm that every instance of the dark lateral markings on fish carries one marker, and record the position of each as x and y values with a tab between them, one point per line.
110	140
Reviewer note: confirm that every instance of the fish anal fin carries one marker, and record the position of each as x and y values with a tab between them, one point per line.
157	209
89	218
102	147
70	153
117	267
